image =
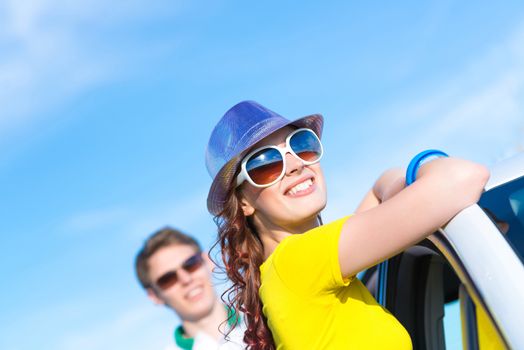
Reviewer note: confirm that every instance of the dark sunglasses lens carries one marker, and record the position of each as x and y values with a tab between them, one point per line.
265	166
193	263
306	145
170	278
167	280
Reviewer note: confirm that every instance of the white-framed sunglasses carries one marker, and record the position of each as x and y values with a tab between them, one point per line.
266	165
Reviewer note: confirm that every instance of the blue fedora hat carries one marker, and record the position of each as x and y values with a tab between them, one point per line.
236	132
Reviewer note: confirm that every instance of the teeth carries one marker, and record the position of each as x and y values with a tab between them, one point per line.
300	187
194	292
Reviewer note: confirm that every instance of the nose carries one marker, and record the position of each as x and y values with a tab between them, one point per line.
184	277
293	164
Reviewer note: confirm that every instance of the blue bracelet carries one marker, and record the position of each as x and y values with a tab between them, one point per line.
416	162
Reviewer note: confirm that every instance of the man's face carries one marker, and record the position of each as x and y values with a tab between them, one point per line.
192	296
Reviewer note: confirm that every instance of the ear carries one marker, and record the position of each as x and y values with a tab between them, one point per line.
247	208
151	294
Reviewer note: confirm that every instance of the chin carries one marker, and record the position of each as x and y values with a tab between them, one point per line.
312	213
305	213
312	206
201	310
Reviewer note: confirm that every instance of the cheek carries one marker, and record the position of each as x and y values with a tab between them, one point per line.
321	183
258	198
203	275
173	297
268	199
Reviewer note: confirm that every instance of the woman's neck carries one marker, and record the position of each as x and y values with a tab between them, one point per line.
272	235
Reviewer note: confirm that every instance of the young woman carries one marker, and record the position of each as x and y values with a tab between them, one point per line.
292	276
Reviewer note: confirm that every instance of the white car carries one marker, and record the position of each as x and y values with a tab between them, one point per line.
463	287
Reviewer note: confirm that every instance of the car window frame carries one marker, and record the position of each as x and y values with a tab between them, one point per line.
438	245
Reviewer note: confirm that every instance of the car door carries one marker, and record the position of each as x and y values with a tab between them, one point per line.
463	287
421	288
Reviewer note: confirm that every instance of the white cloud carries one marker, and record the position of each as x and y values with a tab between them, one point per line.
478	114
89	323
488	106
187	213
41	65
183	212
125	330
51	52
95	219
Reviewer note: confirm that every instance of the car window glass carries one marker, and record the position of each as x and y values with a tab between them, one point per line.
505	206
452	325
425	294
488	336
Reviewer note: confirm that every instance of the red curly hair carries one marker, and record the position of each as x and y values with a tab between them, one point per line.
242	254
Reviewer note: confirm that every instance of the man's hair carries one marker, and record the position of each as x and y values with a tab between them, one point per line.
164	237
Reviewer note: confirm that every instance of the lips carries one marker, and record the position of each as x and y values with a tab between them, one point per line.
300	187
194	293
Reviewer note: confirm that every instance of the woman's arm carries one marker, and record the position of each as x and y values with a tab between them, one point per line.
389	183
391	218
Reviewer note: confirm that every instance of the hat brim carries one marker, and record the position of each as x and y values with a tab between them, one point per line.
225	178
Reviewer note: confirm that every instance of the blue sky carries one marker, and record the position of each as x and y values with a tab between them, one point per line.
107	109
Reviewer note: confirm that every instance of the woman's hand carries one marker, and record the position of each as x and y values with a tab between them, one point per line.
390	183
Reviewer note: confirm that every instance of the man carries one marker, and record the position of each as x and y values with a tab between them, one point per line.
175	272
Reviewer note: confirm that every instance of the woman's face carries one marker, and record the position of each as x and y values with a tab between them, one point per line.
292	201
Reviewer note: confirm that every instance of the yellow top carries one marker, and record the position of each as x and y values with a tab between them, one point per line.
310	306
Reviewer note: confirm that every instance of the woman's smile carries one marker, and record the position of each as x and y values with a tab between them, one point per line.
301	187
